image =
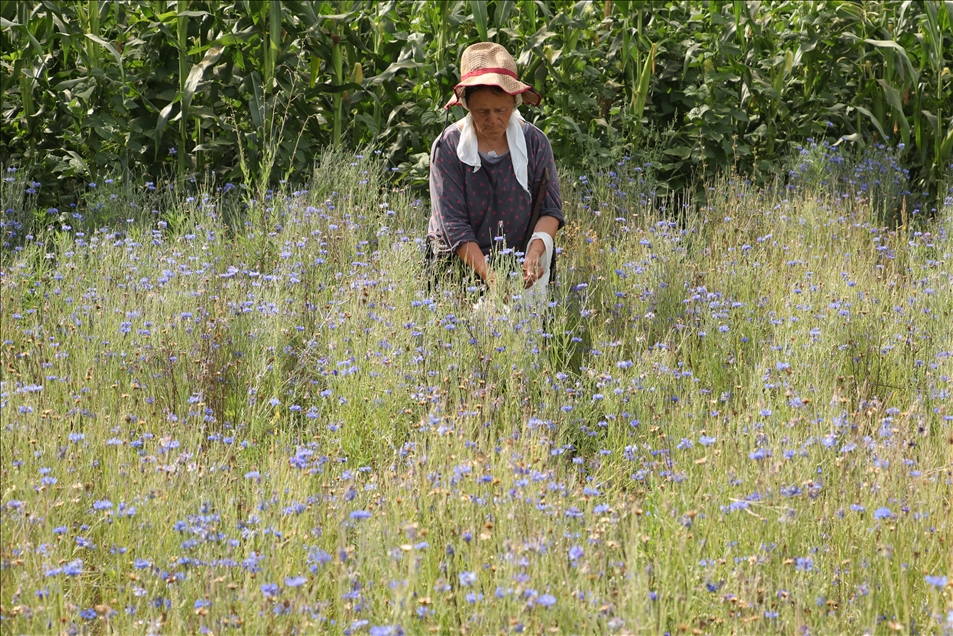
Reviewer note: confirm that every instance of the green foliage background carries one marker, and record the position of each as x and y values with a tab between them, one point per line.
254	90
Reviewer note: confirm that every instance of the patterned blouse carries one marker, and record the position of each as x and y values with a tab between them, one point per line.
475	206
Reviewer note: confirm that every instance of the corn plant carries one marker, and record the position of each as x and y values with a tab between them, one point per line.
174	88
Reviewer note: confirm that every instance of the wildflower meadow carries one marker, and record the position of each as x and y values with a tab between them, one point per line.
238	411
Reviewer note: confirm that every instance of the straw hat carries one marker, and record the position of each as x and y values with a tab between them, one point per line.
489	64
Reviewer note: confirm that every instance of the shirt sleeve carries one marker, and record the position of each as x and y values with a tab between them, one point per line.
449	220
543	158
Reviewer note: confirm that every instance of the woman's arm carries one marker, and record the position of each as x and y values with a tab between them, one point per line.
449	217
551	218
448	204
548	224
541	158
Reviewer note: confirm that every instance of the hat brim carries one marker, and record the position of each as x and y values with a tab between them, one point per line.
506	83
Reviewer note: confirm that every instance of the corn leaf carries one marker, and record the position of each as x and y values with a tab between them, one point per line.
479	17
195	75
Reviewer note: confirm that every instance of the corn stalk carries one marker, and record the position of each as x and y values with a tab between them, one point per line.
337	60
182	33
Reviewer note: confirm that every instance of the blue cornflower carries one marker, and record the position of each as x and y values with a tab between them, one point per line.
575	553
295	581
547	600
938	581
467	578
360	514
270	590
73	568
883	513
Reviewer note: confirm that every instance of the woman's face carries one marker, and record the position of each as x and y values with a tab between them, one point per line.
491	112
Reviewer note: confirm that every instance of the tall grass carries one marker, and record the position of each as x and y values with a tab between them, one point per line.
234	414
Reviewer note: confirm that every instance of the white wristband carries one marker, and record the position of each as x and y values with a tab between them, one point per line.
547	252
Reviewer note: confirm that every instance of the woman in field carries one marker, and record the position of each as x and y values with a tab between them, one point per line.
487	169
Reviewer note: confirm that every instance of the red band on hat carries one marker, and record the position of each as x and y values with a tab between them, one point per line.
485	71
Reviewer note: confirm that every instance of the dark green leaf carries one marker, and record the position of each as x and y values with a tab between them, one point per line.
682	152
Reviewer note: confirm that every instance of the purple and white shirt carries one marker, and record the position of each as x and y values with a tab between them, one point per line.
468	205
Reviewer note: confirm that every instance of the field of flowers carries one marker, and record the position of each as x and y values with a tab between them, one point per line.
240	412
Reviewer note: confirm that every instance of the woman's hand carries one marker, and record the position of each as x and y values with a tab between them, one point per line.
532	267
470	254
